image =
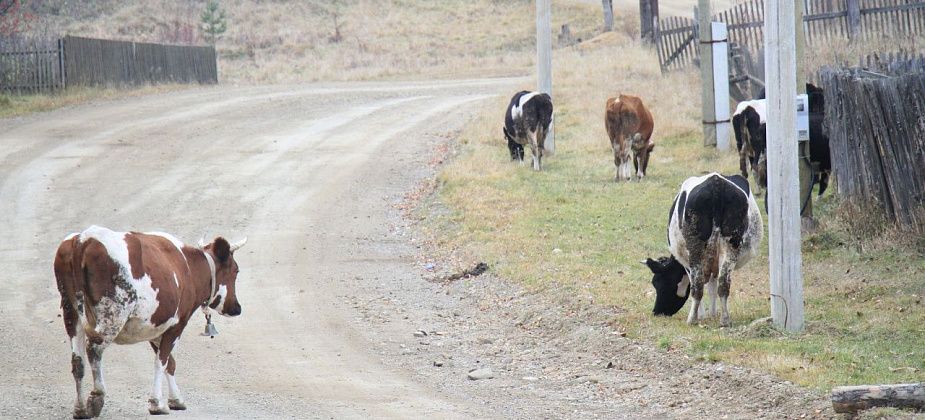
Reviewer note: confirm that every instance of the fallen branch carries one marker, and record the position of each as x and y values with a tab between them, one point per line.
477	270
851	399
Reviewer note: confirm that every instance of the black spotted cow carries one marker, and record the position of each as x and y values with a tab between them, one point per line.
130	287
526	123
748	124
714	227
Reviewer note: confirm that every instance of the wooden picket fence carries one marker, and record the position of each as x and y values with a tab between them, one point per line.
30	67
676	38
873	119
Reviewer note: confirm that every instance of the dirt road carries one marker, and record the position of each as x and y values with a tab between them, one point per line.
309	174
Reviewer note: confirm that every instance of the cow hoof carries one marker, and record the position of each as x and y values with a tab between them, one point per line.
95	403
81	413
155	408
176	405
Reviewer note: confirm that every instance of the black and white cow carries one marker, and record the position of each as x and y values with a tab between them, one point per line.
748	124
526	122
714	227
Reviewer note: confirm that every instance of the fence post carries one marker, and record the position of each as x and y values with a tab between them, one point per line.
706	73
544	60
648	14
607	5
854	18
783	191
720	46
62	75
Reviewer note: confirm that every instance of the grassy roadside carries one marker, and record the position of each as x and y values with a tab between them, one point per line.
19	105
571	229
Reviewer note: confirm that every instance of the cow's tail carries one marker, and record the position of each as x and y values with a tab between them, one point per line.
712	254
86	316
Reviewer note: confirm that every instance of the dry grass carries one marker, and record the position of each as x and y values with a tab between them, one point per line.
571	229
18	105
293	41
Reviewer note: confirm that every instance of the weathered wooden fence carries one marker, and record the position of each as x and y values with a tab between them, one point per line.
76	61
822	20
30	66
873	119
94	62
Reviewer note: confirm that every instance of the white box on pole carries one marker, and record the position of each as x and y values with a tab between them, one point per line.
721	83
802	117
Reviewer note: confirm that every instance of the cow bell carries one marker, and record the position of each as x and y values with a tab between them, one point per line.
210	330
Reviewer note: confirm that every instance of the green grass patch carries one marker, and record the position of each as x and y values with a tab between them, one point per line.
572	228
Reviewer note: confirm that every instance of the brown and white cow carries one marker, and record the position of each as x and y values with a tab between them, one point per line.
130	287
629	126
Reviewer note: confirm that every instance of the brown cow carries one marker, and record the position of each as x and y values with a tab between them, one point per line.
129	287
629	126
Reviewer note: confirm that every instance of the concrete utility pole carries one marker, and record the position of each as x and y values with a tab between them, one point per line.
544	61
783	190
806	174
705	34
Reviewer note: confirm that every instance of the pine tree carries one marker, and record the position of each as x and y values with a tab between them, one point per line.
213	21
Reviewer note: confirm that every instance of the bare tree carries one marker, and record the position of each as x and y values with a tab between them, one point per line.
608	14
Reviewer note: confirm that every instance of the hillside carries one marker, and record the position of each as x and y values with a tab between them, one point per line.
287	41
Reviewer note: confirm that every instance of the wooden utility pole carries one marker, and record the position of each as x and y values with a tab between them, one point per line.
806	169
607	5
648	15
544	60
854	18
705	34
783	190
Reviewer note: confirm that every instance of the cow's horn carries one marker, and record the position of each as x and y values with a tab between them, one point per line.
238	244
202	241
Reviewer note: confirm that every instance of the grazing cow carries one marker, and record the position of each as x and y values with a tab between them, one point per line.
526	122
629	126
714	227
748	124
129	287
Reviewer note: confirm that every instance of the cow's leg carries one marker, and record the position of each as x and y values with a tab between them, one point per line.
95	357
696	294
165	366
621	161
537	151
78	339
711	292
175	402
110	318
725	280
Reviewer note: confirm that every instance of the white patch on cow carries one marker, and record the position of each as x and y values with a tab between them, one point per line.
682	286
625	170
518	110
125	318
157	390
176	281
173	388
220	295
639	174
759	105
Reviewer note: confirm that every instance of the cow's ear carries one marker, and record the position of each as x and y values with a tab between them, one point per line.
655	266
651	147
222	249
